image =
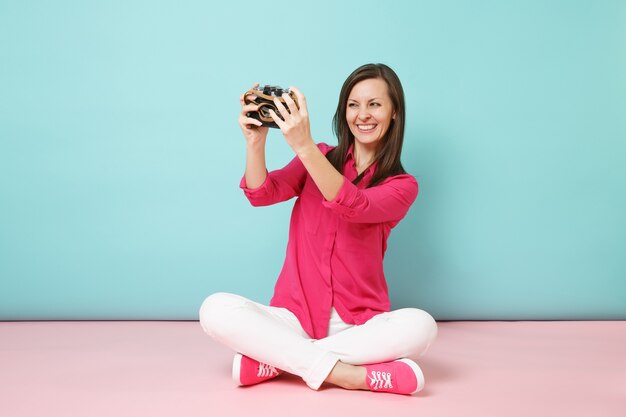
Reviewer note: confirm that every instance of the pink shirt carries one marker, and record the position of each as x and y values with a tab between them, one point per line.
336	248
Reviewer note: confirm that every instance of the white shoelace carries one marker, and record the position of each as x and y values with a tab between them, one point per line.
380	380
266	370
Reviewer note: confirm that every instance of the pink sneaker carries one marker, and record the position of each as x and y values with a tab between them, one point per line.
247	371
401	376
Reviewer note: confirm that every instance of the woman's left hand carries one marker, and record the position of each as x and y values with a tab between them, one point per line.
294	121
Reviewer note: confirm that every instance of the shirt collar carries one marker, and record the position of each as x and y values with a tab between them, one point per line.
369	171
350	153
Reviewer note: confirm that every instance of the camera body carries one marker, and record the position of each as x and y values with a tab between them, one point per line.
264	97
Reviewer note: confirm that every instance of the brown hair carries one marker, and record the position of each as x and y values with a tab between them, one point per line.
388	153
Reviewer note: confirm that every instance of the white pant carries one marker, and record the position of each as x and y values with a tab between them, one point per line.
274	336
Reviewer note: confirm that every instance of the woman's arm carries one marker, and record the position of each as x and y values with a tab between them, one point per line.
256	170
326	177
255	135
297	132
387	202
279	185
260	187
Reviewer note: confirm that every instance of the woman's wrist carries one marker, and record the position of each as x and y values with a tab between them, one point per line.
307	149
255	145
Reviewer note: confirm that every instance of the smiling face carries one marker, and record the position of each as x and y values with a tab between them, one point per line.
369	111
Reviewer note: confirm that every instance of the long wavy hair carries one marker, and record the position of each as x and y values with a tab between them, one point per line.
390	148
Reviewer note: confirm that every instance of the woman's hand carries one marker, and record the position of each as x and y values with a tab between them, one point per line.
252	129
294	123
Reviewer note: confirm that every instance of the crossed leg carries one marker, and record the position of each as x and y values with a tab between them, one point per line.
274	336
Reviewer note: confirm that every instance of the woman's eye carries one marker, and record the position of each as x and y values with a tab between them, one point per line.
352	105
375	104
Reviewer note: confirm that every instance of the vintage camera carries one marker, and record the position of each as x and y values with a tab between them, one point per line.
264	98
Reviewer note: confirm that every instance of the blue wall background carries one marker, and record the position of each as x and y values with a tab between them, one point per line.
120	153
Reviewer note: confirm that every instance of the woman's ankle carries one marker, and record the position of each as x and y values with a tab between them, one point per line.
348	376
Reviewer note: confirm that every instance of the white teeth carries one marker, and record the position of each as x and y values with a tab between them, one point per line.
366	127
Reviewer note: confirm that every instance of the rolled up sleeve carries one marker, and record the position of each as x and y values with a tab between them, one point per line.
279	185
257	196
386	202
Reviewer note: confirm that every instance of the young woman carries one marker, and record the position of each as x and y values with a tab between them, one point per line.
329	319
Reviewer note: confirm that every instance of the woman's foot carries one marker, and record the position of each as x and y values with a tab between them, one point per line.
247	371
401	376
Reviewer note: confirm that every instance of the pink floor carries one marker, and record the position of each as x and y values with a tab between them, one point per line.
157	369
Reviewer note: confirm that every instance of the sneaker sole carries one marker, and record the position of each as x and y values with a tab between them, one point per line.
418	373
237	369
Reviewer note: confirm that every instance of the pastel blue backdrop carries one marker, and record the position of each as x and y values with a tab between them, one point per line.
120	154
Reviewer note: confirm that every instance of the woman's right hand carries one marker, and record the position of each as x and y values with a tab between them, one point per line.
253	130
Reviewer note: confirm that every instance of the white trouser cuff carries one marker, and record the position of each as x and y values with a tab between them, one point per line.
320	371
